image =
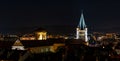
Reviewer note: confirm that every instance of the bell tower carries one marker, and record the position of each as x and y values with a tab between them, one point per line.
81	30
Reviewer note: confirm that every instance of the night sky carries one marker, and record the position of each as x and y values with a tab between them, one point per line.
58	16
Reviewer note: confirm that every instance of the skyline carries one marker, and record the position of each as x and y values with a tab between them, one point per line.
20	16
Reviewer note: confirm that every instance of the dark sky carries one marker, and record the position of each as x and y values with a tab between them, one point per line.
60	16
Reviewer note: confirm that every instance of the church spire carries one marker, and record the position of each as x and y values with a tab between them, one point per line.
81	30
82	24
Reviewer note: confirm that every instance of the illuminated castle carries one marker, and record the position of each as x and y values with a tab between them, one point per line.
81	30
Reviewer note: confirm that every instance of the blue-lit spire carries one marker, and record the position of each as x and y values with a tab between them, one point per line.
82	24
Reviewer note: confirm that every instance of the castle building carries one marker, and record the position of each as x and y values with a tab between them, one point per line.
81	30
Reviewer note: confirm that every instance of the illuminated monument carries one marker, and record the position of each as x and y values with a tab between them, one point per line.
41	34
81	30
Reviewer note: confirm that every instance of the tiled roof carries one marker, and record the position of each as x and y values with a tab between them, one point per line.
30	43
37	43
17	43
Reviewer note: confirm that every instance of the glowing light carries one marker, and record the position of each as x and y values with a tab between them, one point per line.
103	47
18	47
41	36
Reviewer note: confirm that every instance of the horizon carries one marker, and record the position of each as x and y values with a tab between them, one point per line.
59	29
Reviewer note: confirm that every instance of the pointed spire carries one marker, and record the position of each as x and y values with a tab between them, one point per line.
82	24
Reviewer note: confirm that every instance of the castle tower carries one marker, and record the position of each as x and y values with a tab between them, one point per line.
81	30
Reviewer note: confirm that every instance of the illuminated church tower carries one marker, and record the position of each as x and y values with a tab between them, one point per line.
81	30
